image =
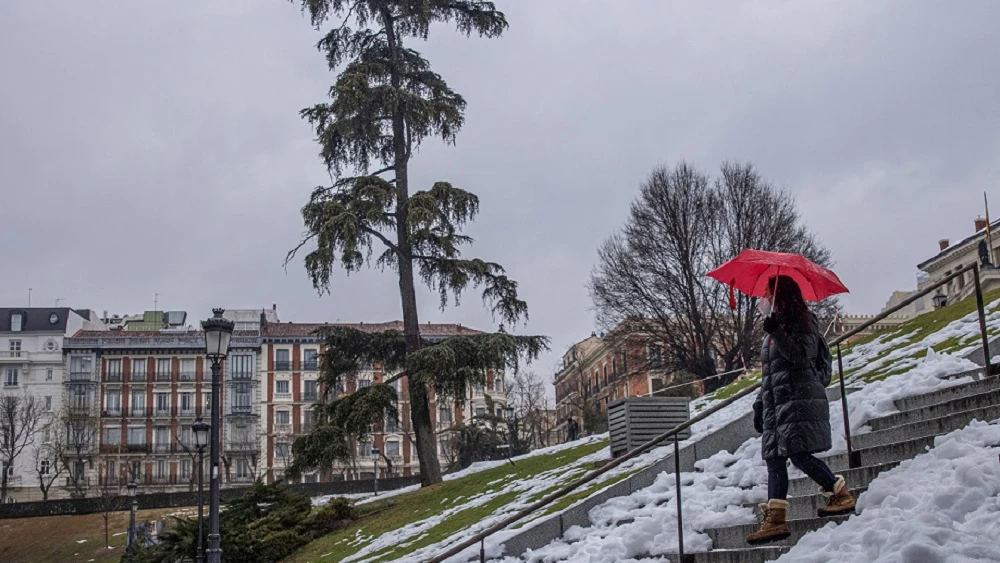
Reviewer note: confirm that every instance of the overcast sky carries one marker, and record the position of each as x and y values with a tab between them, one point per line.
155	147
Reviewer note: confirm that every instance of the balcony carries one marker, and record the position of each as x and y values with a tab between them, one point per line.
140	412
138	377
246	376
112	377
310	365
73	482
187	377
10	384
136	448
82	376
282	365
309	396
115	412
165	413
242	447
282	396
16	356
164	377
188	412
241	479
241	409
164	448
307	427
282	428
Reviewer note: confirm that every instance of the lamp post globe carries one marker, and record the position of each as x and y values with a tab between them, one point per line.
940	300
218	335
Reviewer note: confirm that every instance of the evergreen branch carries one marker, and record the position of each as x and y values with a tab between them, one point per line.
381	237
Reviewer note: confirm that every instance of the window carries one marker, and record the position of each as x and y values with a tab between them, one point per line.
308	419
281	451
163	369
113	435
186	469
392	448
111	474
480	412
138	401
161	469
114	370
282	417
81	365
444	414
16	322
281	386
162	402
242	435
242	469
162	435
281	362
15	348
136	436
655	355
206	403
50	346
43	467
48	403
313	478
445	448
366	449
309	390
241	366
246	326
499	412
139	369
241	401
48	374
363	383
11	380
47	435
186	436
188	369
310	360
187	402
113	402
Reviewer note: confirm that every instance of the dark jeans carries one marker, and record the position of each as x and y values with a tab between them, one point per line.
777	474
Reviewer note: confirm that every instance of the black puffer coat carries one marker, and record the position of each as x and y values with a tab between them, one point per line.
795	409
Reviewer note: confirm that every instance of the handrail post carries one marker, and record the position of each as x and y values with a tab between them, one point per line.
982	321
851	462
680	517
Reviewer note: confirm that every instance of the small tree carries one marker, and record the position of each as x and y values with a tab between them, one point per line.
109	500
49	457
82	432
21	418
385	102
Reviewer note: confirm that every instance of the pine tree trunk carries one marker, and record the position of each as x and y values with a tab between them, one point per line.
420	413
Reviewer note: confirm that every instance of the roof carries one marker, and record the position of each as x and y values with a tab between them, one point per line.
250	315
285	330
141	333
957	246
37	319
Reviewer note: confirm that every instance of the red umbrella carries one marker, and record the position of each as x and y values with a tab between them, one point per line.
750	271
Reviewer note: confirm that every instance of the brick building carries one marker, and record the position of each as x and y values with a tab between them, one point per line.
289	369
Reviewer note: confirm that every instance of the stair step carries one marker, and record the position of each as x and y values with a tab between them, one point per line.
878	455
735	537
805	507
986	399
944	395
746	555
860	477
930	427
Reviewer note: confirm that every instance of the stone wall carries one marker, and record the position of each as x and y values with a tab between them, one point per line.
181	499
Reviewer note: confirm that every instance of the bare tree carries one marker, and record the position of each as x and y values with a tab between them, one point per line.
21	418
526	394
49	457
652	275
109	498
82	433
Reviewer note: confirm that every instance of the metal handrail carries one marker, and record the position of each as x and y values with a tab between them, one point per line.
549	499
853	459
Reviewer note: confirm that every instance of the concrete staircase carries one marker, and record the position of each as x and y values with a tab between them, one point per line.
893	439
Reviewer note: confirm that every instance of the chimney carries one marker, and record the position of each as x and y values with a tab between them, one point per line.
980	225
274	306
943	243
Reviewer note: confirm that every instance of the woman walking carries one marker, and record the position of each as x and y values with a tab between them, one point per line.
791	411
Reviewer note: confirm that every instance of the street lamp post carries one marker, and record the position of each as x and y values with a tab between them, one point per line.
218	334
131	487
201	430
375	459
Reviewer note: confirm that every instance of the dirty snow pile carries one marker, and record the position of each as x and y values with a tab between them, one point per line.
943	505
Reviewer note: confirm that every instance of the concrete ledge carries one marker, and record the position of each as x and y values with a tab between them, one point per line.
883	454
734	537
805	507
932	427
988	398
949	394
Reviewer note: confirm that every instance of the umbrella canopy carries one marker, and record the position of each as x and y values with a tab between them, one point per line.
750	271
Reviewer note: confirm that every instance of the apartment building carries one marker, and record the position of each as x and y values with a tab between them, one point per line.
290	377
31	363
140	392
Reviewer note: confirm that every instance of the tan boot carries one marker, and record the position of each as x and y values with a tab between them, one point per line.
839	502
773	526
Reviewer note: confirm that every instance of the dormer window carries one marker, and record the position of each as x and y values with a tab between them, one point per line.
17	322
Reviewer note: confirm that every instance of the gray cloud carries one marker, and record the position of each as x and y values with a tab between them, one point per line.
157	148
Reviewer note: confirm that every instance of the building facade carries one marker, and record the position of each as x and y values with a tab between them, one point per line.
31	364
290	376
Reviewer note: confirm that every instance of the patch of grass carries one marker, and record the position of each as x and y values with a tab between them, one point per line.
56	538
409	508
733	388
916	330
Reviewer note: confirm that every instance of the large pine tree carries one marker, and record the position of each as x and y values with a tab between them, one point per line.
385	102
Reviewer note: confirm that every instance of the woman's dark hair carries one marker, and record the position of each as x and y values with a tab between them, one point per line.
789	306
